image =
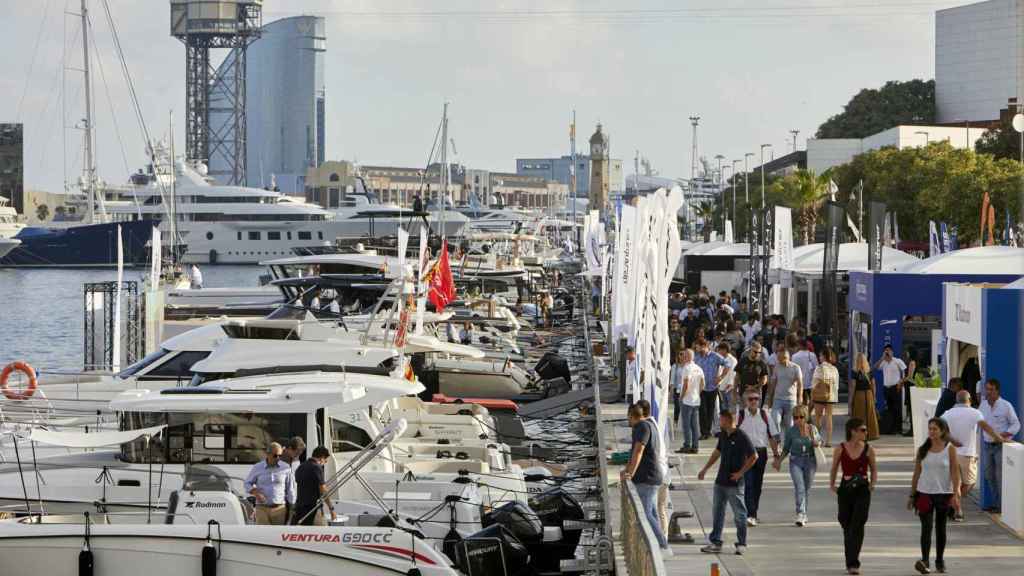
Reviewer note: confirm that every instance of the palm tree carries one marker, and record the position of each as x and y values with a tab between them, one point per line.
706	212
806	193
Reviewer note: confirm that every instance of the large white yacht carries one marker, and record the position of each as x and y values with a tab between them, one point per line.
9	227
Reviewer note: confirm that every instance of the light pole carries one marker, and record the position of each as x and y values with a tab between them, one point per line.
735	174
763	146
795	133
927	137
746	176
694	121
721	196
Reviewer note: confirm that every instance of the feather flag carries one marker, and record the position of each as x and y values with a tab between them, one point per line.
991	225
440	282
984	218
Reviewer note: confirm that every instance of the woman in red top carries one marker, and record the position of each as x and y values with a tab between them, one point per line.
858	479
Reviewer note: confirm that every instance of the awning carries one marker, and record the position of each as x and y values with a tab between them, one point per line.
92	439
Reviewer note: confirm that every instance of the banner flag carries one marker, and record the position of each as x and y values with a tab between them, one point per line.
622	284
442	285
991	225
156	259
984	218
934	249
876	234
829	289
782	258
944	244
728	232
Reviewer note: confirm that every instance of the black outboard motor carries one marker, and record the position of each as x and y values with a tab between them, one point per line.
493	551
552	508
553	366
519	520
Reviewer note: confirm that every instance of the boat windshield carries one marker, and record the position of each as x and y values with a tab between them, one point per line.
146	361
205	438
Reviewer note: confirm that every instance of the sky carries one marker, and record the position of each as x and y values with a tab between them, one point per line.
512	72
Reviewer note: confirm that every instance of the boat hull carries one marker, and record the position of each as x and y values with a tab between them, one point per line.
86	246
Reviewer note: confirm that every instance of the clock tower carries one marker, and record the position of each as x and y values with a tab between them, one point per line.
599	171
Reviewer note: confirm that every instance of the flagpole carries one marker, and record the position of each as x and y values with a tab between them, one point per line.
572	175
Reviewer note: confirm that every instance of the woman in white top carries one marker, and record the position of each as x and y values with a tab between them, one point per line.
936	490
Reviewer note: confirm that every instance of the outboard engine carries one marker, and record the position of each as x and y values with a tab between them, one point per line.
494	551
199	507
552	366
553	507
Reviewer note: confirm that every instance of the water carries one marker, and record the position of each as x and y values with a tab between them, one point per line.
42	311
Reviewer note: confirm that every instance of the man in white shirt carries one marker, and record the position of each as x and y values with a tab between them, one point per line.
726	382
808	362
1001	416
763	432
632	376
691	383
963	421
893	373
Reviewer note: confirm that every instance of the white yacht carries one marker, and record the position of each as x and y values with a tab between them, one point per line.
362	215
9	227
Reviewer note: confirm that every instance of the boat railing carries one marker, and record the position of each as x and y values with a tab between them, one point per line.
104	518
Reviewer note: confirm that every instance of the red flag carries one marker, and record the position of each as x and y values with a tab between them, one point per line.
442	285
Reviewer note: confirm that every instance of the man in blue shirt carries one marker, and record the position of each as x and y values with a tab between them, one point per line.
272	483
710	363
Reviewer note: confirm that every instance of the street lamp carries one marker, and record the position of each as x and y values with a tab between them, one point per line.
763	146
735	174
721	197
746	176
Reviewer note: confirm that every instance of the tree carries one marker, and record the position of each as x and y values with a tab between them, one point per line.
870	111
805	193
936	182
42	212
1001	142
706	212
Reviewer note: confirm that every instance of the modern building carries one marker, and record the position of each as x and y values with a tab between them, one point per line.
824	153
979	60
328	183
12	165
558	169
285	104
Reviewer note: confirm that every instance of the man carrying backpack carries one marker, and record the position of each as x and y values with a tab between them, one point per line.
763	432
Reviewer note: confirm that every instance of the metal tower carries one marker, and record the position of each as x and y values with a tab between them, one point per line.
204	25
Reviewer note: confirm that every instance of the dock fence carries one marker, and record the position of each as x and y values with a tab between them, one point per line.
639	546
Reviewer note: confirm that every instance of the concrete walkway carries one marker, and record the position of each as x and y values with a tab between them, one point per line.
778	547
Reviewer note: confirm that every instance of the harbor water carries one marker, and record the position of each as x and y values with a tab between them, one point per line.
42	317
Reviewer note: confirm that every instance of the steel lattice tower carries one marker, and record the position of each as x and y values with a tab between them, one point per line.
203	25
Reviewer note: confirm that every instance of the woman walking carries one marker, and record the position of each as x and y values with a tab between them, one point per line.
801	440
936	489
825	391
862	400
859	474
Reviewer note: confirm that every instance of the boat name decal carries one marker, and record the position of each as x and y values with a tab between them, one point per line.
347	538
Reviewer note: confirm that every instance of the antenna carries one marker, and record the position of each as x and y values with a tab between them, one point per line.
795	133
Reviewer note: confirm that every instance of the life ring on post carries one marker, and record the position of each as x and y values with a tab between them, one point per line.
25	369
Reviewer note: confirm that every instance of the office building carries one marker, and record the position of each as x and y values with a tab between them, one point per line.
12	165
979	60
824	153
285	104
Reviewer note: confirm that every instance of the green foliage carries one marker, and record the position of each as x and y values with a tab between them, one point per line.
872	111
936	182
706	212
1001	142
805	193
932	380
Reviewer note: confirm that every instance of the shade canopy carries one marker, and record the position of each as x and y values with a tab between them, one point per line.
809	259
985	260
92	439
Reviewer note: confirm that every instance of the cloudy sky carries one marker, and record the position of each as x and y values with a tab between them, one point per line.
512	70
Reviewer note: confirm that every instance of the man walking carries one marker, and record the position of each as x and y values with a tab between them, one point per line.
808	362
762	432
727	384
785	390
710	363
644	470
691	382
753	370
311	488
963	422
293	451
948	398
893	373
271	482
1001	416
738	456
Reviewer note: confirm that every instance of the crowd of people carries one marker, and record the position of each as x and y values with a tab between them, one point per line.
725	387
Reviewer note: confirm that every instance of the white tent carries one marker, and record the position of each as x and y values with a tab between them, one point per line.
979	260
719	248
810	259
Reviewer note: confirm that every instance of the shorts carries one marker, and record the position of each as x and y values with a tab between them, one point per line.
968	469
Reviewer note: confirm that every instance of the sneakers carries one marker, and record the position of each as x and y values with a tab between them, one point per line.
712	548
751	522
959	517
667	552
922	567
940	566
800	520
740	549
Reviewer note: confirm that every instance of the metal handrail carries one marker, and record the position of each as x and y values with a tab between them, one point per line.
639	546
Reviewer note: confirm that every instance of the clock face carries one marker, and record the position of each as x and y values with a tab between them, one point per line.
598	150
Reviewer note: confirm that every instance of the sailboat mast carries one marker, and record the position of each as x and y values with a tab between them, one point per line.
444	166
174	194
90	165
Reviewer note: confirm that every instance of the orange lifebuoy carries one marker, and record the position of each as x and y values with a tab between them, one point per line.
25	369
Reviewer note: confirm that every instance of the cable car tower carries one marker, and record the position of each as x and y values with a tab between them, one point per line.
204	25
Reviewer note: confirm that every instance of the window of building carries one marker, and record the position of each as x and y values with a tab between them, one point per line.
273	235
254	235
320	234
239	235
303	235
335	197
289	234
334	177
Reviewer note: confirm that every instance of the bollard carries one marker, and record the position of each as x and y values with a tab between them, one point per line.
714	569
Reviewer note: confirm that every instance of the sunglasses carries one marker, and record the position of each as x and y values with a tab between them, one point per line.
798	417
753	399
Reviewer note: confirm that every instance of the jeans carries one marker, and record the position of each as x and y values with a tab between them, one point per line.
708	417
992	460
676	403
801	470
733	495
649	500
894	404
937	515
853	515
691	425
782	409
753	480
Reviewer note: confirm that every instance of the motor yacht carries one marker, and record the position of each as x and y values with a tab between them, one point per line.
9	227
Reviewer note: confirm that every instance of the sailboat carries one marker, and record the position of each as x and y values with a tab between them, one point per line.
95	243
